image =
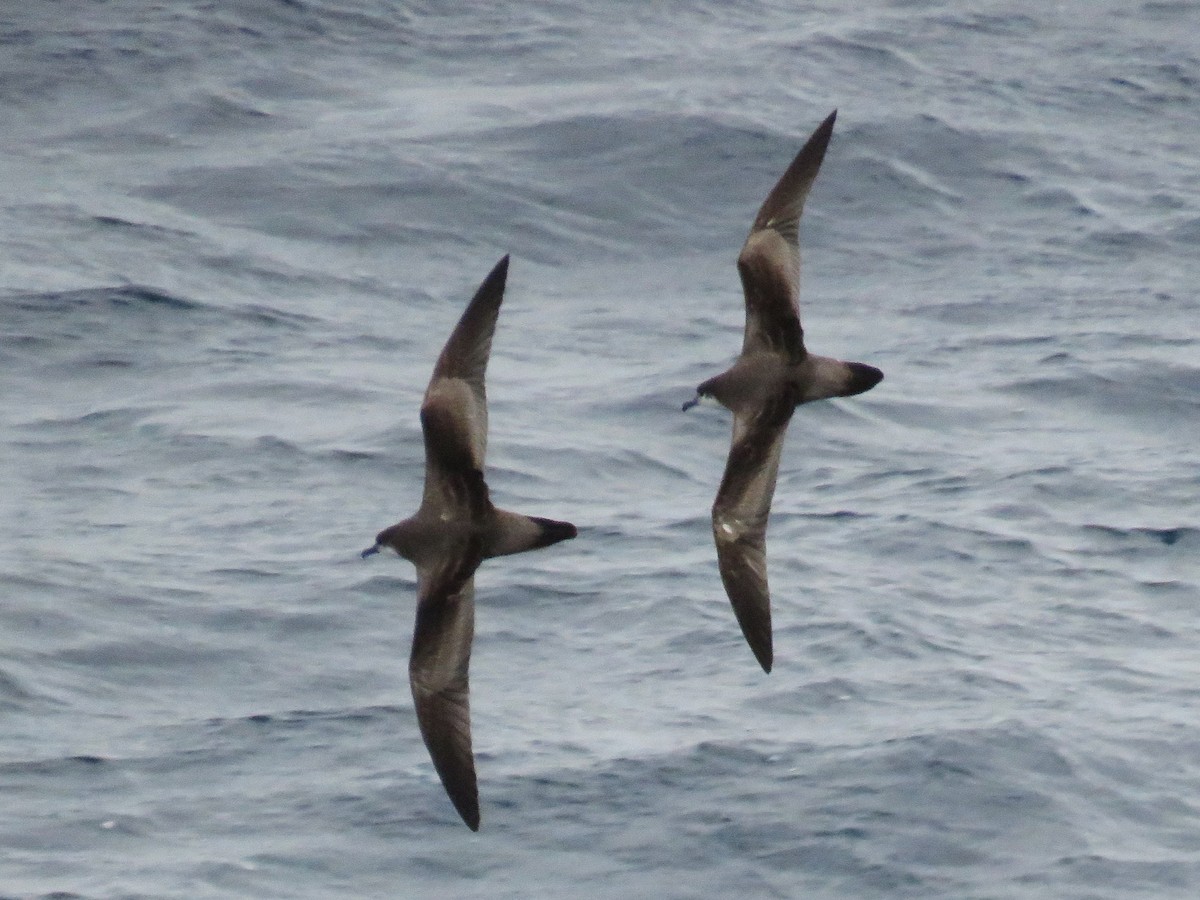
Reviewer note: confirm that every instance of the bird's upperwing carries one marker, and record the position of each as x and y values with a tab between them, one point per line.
739	520
454	483
769	263
463	361
437	671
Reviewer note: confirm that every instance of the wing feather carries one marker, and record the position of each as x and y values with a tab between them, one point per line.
461	368
438	675
454	416
739	521
454	481
769	262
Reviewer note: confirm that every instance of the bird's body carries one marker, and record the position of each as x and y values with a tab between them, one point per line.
453	531
774	374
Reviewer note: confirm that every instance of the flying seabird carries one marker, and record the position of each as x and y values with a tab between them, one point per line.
773	375
454	530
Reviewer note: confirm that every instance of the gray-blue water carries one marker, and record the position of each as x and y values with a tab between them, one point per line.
233	237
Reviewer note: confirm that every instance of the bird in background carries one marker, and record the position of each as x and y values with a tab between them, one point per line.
774	374
455	529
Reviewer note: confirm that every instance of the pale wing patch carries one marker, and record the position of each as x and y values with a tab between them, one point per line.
727	530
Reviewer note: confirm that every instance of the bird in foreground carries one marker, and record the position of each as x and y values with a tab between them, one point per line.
454	530
773	375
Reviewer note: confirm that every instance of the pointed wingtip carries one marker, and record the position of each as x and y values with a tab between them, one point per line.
785	203
813	151
765	657
479	318
821	135
499	271
466	803
825	129
467	808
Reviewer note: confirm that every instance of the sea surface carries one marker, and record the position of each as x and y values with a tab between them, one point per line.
233	238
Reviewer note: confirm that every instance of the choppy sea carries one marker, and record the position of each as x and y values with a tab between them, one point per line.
233	238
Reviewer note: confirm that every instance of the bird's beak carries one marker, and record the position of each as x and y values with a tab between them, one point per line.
370	551
695	400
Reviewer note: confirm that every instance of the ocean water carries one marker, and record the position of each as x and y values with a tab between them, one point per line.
233	238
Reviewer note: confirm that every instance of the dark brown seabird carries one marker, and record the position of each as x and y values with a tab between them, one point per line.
773	375
454	530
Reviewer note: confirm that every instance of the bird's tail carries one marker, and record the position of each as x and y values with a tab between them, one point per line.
515	533
552	532
860	378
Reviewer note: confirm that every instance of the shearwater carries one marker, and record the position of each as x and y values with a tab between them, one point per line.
454	530
773	375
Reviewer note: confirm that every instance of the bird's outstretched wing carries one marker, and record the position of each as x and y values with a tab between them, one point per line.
438	675
454	411
739	520
769	263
